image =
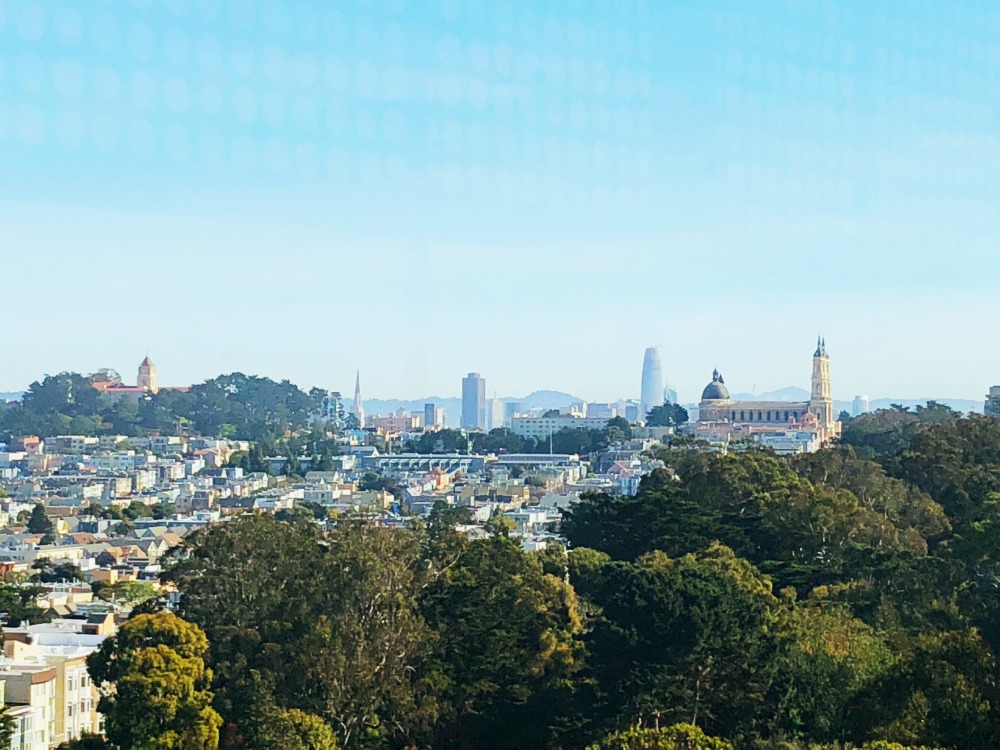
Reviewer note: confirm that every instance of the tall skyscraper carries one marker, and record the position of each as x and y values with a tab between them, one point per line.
474	402
651	393
861	406
358	408
429	416
495	414
670	395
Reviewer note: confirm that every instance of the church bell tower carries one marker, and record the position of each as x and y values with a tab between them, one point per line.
821	397
147	376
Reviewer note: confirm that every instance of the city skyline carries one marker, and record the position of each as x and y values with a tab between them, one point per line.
684	396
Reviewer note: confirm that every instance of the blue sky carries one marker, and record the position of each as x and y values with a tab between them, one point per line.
533	190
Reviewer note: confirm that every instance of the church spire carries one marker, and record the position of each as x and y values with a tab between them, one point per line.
358	409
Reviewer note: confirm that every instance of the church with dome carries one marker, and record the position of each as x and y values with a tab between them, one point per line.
719	414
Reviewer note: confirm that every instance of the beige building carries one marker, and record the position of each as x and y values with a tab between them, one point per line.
717	411
58	652
33	687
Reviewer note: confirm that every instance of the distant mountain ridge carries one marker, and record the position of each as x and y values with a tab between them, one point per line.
794	393
11	396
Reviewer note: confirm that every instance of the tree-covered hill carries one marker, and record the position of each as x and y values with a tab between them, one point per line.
235	405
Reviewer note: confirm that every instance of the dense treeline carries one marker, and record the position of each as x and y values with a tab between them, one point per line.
578	441
846	599
246	407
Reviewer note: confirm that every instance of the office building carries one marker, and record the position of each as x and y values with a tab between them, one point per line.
430	416
510	410
541	428
992	407
474	402
602	411
495	414
670	395
860	406
651	393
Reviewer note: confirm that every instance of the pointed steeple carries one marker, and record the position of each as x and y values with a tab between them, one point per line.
359	408
819	345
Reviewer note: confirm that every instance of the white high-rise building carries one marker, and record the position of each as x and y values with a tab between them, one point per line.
495	414
651	393
861	406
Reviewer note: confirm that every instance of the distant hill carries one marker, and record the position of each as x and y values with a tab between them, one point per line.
794	393
958	404
547	400
791	393
11	396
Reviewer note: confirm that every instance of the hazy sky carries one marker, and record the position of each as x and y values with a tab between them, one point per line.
533	190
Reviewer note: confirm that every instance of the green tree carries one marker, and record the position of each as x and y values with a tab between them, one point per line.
369	637
667	415
689	639
39	523
346	650
292	729
7	727
134	592
826	658
506	648
942	692
677	737
19	600
87	741
155	686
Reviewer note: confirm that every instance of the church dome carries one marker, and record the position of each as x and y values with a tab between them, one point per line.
716	390
147	362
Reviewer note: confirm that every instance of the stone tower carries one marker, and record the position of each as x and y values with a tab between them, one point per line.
147	376
821	397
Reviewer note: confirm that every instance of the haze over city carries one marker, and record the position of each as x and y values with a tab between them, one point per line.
423	189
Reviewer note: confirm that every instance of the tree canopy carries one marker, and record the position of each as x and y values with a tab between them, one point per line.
845	600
